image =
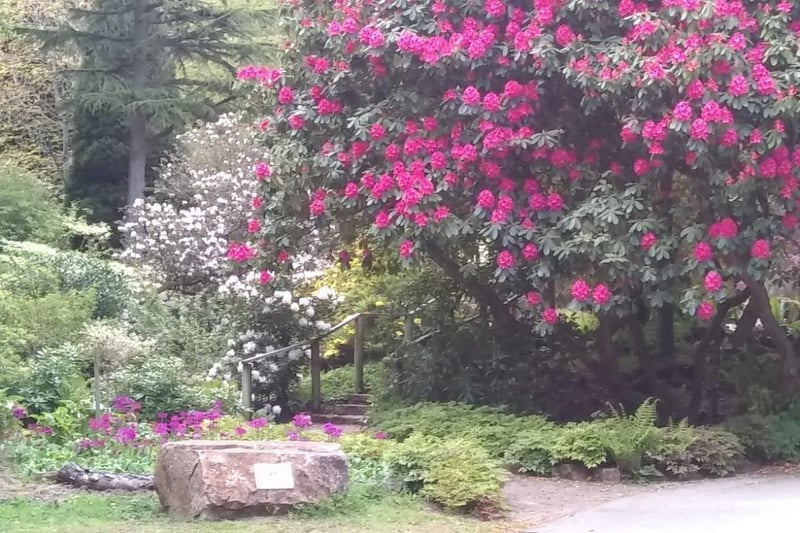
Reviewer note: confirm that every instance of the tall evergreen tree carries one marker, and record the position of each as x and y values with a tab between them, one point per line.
151	65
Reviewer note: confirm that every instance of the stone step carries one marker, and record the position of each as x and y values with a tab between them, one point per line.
363	399
339	420
357	409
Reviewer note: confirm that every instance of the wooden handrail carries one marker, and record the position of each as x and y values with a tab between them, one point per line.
306	343
358	352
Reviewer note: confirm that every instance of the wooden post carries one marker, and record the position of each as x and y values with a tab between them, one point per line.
408	333
247	388
316	377
358	355
96	384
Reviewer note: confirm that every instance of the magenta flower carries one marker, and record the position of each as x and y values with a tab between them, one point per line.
19	412
257	423
301	421
332	430
123	404
380	435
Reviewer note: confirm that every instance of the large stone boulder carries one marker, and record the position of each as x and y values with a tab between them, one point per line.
233	479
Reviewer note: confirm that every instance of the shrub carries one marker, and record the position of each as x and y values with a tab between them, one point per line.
583	443
337	384
490	427
531	451
27	211
79	272
455	473
770	438
28	324
709	451
628	438
52	376
165	383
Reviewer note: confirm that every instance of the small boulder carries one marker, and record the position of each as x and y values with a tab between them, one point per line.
609	475
572	471
236	479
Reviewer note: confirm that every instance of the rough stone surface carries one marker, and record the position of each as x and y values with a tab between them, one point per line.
216	480
609	475
571	471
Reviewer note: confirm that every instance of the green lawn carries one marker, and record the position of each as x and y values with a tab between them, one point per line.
141	514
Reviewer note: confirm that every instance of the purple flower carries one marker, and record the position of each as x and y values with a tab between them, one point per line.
292	435
162	415
332	430
380	435
160	428
302	420
239	430
126	434
19	412
257	423
123	404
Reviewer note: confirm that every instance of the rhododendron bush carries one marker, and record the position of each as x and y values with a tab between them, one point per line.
607	156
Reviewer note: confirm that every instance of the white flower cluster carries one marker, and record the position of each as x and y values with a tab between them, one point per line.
284	309
202	201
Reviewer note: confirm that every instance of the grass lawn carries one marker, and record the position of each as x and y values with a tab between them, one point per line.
87	513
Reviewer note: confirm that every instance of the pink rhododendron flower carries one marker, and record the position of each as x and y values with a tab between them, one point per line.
263	170
406	249
297	122
533	298
265	277
530	251
580	291
601	294
505	260
760	249
648	240
564	35
351	190
550	316
240	252
253	225
471	96
713	281
486	199
705	311
703	252
441	213
285	95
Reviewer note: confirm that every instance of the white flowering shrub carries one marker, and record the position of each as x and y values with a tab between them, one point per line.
204	211
203	199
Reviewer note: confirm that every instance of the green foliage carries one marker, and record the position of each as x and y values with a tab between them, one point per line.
165	383
627	438
774	437
531	451
337	383
583	443
79	272
9	424
27	210
52	376
29	324
490	427
708	451
456	473
532	444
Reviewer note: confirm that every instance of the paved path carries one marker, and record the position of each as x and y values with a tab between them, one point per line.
766	504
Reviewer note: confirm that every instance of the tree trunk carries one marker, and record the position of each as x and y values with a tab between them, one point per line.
666	330
745	325
483	294
73	474
709	343
137	154
648	362
760	298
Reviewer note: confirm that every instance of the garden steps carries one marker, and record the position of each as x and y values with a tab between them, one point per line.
353	411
